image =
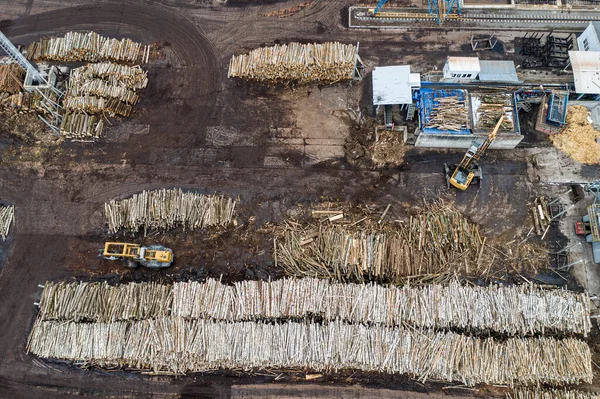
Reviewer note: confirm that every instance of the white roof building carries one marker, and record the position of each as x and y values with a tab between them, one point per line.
461	68
589	39
586	71
394	85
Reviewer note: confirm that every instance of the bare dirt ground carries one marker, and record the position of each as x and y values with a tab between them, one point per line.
272	147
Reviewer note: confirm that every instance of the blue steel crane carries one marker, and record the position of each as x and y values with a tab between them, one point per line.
375	10
438	9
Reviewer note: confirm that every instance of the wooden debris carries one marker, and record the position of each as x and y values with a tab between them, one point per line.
89	46
166	209
81	126
440	241
7	216
578	138
176	345
532	393
302	63
507	310
11	78
448	113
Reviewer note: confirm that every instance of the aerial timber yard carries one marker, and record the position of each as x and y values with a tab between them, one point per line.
300	198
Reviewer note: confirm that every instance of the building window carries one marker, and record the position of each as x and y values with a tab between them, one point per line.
586	45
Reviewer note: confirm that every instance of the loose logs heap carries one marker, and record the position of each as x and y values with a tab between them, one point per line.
166	209
133	77
516	310
177	345
440	241
11	78
89	46
7	216
448	113
302	63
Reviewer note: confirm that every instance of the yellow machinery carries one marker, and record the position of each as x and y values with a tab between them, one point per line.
153	256
468	169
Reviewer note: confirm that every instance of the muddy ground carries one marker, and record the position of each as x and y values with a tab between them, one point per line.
274	148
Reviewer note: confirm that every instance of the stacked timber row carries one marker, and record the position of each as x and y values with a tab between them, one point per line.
551	394
88	46
434	243
516	310
302	63
81	126
133	77
7	217
176	345
166	209
24	101
11	78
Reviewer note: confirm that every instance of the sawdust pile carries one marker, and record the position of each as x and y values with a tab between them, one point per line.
578	138
389	150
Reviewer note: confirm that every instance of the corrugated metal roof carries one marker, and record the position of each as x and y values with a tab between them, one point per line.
586	71
392	85
498	71
466	64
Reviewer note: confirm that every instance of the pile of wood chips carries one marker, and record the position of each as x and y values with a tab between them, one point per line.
579	139
388	150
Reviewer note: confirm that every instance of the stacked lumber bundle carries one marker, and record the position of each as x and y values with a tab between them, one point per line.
438	242
516	310
11	78
26	102
7	217
81	126
448	113
100	302
578	138
167	209
523	393
302	63
177	345
89	46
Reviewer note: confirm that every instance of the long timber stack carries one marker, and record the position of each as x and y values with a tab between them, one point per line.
88	46
302	63
177	345
522	393
438	242
133	77
167	209
517	310
7	217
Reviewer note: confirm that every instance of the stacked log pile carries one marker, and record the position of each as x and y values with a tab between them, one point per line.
7	217
491	108
26	102
177	345
88	46
106	88
81	126
11	78
166	209
437	242
516	310
551	394
448	113
133	77
100	302
302	63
